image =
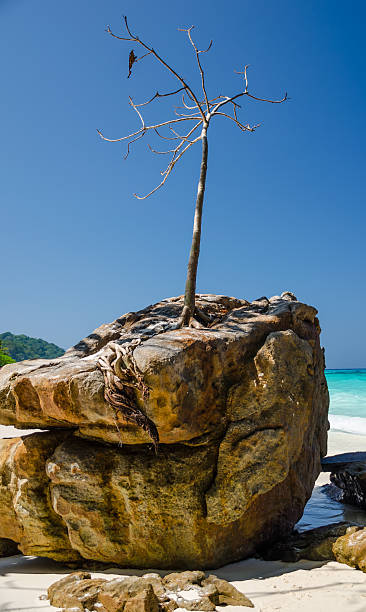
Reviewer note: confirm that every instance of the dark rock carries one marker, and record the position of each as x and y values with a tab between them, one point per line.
335	463
351	479
8	548
314	544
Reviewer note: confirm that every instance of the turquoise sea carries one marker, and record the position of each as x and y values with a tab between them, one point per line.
347	413
347	390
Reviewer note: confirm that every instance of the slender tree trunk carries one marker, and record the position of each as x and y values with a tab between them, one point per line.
190	290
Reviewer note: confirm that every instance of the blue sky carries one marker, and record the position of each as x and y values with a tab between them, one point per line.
284	208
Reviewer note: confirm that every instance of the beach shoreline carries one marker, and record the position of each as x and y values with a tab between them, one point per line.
305	586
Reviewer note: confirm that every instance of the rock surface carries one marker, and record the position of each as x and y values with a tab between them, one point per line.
149	593
314	544
8	548
337	463
342	542
240	407
351	480
351	548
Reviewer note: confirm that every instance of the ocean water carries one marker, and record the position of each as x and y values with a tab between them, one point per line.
347	413
347	390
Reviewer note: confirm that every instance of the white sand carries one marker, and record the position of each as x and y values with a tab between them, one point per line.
7	431
272	585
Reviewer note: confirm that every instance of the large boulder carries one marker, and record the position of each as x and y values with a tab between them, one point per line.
214	450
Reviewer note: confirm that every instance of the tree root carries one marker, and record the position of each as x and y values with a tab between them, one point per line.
122	379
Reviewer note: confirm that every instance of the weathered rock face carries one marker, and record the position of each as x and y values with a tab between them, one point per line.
315	544
343	542
351	479
8	548
149	593
240	407
26	509
351	548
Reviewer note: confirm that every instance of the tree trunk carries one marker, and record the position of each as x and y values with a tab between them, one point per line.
190	290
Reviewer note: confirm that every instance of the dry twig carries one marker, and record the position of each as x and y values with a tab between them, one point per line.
203	112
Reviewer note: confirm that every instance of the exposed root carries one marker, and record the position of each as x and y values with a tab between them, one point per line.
198	320
122	379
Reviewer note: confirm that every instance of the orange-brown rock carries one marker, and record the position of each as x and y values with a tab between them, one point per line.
27	516
240	406
351	548
77	591
189	371
149	593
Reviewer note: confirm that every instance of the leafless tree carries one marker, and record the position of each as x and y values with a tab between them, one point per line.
202	111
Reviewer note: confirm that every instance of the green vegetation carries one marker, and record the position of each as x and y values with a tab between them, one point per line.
4	357
23	347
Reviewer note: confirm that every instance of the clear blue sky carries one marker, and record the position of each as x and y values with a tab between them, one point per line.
285	207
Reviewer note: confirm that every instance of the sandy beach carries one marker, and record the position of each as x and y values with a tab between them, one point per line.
305	586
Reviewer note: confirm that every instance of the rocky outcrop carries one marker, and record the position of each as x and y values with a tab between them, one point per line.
351	548
337	463
26	511
239	404
351	480
340	542
149	593
8	548
313	544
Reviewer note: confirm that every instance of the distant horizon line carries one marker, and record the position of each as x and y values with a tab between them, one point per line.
345	369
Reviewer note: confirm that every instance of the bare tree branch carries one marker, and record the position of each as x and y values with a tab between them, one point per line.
131	142
159	95
199	62
208	48
184	114
183	137
150	50
244	128
165	137
160	152
179	146
168	171
232	99
244	73
138	59
210	102
185	105
177	136
146	128
213	106
137	111
285	97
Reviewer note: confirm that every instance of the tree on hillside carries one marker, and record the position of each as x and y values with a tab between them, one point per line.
202	109
21	347
4	357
